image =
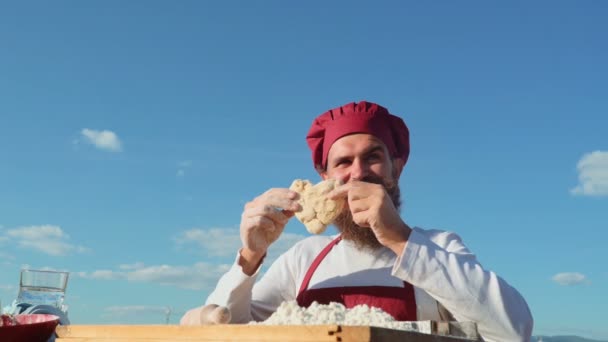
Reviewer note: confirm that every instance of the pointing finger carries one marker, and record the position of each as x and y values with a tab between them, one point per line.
339	192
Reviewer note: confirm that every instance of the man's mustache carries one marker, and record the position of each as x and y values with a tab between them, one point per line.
388	184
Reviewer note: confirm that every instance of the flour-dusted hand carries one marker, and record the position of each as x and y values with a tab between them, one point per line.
206	315
371	206
262	222
264	218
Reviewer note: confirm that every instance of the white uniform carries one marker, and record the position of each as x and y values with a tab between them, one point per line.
436	263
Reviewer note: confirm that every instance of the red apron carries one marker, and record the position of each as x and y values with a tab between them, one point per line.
399	302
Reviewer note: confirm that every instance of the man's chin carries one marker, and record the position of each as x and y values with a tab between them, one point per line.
362	237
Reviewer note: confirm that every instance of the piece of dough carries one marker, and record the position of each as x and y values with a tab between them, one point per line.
317	211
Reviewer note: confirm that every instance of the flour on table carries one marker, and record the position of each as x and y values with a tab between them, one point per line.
289	313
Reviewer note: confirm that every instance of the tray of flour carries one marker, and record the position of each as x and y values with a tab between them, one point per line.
318	322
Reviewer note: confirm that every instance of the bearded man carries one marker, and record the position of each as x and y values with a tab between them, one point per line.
377	259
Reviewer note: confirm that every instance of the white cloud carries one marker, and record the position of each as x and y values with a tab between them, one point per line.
203	275
592	174
48	239
196	277
192	277
225	242
215	241
102	275
103	140
570	278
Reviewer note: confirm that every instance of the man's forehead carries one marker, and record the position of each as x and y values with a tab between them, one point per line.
356	143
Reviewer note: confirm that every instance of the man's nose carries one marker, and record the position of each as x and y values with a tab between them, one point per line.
359	170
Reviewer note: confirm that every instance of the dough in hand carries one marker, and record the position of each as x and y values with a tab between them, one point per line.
317	211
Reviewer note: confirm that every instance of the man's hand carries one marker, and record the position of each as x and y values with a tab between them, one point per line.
206	315
262	222
372	207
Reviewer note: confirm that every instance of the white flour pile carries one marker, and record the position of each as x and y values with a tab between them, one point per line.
289	313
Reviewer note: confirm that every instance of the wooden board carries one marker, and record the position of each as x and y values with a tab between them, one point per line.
239	332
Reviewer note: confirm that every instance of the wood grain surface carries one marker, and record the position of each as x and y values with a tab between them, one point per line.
240	332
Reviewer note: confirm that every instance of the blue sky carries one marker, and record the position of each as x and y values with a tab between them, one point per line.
132	134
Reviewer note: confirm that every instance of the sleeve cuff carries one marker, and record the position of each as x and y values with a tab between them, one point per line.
405	262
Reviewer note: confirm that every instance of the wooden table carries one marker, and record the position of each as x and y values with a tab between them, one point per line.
240	332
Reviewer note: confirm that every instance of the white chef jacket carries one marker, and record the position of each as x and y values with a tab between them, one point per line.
437	263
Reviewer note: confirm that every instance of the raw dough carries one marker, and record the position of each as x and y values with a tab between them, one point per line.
317	211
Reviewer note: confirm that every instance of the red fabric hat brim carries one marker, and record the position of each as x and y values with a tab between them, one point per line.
362	117
374	125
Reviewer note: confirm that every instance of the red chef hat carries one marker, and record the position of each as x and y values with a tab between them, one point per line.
362	117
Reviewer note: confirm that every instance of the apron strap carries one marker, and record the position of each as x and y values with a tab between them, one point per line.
316	263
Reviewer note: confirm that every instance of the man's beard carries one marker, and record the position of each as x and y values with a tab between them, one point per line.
364	237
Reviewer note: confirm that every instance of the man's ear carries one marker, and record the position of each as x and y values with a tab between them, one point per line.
398	165
321	171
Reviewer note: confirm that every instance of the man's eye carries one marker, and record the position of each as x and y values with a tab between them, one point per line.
374	158
342	162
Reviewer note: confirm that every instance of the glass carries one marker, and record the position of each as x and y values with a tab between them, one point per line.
43	287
